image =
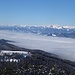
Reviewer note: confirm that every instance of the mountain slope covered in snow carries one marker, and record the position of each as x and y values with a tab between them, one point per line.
47	30
31	62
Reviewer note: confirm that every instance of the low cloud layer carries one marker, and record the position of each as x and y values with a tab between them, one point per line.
64	47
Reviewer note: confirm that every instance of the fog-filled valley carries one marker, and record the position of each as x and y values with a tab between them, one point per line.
61	46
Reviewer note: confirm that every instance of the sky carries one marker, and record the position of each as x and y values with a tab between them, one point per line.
37	12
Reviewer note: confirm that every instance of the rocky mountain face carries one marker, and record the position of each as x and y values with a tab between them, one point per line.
20	61
47	30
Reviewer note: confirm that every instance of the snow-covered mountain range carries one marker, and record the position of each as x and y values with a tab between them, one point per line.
48	30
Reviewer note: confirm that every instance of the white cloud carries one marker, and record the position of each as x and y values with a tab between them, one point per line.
64	47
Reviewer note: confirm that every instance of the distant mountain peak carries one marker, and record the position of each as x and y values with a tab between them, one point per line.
48	30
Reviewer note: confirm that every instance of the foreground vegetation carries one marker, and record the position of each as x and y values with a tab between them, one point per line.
37	64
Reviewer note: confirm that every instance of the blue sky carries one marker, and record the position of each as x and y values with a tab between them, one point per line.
37	12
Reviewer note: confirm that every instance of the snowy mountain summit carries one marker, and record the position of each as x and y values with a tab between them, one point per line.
48	30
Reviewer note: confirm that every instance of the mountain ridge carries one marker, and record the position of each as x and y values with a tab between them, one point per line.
50	30
42	62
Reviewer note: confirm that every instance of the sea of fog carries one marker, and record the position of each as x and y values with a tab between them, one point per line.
64	47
